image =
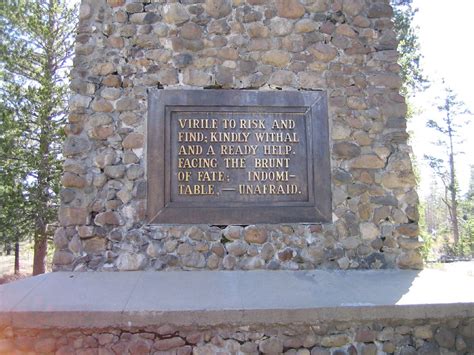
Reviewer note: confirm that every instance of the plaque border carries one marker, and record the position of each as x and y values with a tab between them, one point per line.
313	103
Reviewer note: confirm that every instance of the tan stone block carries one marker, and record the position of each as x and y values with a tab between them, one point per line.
197	77
346	150
73	180
62	258
109	218
218	8
101	105
69	216
257	30
175	13
410	260
277	58
305	26
323	52
191	31
253	234
112	81
116	42
133	141
409	229
353	7
346	30
102	132
94	245
289	8
368	161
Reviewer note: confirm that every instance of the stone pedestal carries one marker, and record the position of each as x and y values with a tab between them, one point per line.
240	312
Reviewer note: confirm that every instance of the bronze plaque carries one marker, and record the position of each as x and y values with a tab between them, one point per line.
238	157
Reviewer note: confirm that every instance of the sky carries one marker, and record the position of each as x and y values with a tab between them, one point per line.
448	53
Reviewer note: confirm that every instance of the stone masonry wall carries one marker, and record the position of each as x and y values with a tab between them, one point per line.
344	47
455	336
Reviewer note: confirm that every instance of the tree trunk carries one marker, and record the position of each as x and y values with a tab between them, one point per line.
40	252
44	168
17	256
453	187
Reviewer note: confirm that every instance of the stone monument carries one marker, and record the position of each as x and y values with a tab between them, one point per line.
341	195
211	138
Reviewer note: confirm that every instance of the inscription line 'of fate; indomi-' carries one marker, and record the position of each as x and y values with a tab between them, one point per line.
217	155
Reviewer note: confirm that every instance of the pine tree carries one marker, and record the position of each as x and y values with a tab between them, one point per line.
448	128
36	45
408	47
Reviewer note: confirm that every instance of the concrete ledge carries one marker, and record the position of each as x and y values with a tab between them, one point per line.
205	298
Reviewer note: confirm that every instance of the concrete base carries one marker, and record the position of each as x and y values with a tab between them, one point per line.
140	299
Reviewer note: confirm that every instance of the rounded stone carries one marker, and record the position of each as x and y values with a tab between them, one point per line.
130	262
305	26
75	145
194	233
133	141
346	150
368	161
108	218
281	26
289	8
253	234
101	105
323	52
271	345
378	10
126	104
334	341
258	30
276	57
267	251
286	254
218	8
191	31
73	180
194	260
111	93
63	258
94	245
353	7
282	78
369	231
410	259
229	262
237	248
115	171
175	13
85	11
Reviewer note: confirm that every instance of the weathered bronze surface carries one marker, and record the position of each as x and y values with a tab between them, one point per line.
238	157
